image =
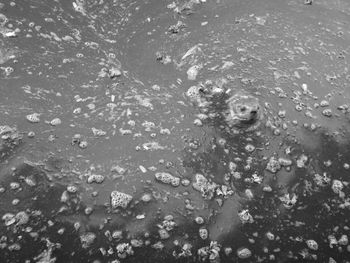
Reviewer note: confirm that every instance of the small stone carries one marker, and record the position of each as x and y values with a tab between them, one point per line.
22	218
228	251
312	244
285	161
192	72
249	148
64	197
33	118
185	182
55	122
302	161
203	233
95	178
119	199
282	113
327	112
83	144
163	234
9	219
167	178
87	239
270	236
117	234
337	186
273	165
88	210
343	240
114	72
31	134
146	198
243	253
72	189
14	185
324	103
245	216
199	220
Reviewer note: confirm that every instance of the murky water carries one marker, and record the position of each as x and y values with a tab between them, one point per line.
185	131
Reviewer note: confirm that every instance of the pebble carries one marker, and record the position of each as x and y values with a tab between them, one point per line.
270	236
193	71
31	134
119	199
199	220
95	178
249	148
72	189
55	122
273	165
324	103
87	239
337	186
22	218
343	240
167	178
243	253
185	182
146	198
312	244
327	112
33	118
163	234
83	144
245	216
203	233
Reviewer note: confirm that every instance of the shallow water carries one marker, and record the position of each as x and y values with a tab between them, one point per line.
292	57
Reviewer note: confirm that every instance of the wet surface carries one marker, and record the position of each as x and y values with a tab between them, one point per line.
186	131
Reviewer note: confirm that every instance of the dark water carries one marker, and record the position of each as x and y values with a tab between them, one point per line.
107	82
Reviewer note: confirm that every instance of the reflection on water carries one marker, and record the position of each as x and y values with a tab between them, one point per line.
184	131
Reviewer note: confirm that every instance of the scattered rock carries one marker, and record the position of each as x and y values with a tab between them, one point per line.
167	178
244	253
119	199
